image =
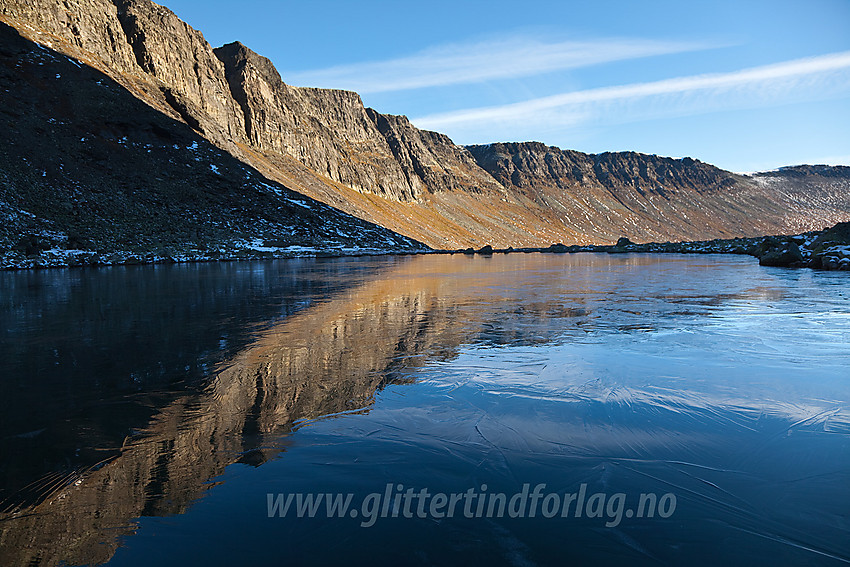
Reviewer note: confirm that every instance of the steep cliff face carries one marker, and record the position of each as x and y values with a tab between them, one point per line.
143	46
90	26
431	158
179	57
531	166
326	130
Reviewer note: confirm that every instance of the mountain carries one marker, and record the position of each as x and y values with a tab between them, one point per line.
92	174
818	192
320	147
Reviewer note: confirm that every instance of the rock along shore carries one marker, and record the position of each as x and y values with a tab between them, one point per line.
827	249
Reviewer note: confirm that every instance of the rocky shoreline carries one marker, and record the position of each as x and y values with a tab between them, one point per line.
62	258
828	249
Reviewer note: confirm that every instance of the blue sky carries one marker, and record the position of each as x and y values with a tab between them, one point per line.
745	85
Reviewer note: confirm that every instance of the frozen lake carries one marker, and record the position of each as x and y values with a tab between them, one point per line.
521	409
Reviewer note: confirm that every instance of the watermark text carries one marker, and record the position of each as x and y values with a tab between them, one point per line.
396	501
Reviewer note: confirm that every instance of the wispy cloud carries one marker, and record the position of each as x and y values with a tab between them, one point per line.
476	62
779	82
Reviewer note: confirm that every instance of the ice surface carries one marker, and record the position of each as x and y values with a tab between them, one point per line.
709	378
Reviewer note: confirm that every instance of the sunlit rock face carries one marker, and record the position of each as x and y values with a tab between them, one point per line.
433	158
326	130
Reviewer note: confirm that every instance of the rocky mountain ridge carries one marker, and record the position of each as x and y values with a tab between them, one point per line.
107	179
326	145
655	198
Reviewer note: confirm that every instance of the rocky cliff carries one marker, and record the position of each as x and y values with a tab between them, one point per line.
649	198
530	166
231	95
326	130
90	174
382	169
143	46
432	158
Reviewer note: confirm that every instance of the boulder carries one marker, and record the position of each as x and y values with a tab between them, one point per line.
780	253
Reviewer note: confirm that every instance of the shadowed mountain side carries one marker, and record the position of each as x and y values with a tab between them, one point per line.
325	144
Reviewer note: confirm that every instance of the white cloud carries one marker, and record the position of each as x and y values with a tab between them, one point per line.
476	62
814	77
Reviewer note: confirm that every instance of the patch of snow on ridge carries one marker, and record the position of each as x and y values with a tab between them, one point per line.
299	203
294	248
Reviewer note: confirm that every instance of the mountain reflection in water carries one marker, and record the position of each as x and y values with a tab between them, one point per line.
128	393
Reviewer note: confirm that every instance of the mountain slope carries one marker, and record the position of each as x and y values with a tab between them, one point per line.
818	193
327	145
92	174
651	198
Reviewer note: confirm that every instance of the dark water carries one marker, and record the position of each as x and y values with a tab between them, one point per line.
513	410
